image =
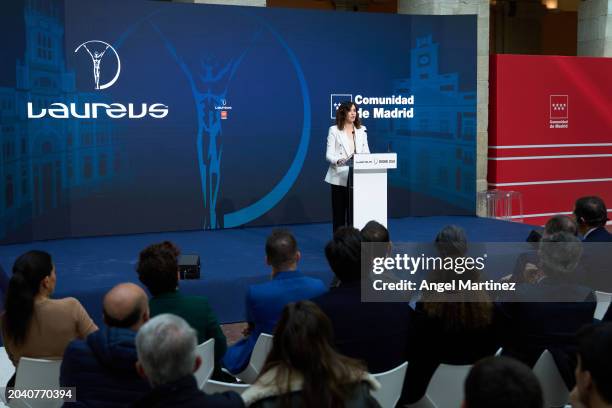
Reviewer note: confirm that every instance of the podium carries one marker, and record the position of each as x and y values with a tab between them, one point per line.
369	189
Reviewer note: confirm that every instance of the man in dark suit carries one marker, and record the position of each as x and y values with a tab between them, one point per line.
376	333
265	301
547	314
102	366
591	216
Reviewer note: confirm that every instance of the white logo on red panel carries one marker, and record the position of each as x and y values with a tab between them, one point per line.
559	106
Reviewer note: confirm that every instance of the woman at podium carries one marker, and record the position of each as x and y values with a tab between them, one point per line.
347	137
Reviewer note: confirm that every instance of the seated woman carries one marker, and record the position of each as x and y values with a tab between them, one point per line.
304	370
452	327
33	324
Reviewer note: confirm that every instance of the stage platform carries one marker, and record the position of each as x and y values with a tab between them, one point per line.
231	259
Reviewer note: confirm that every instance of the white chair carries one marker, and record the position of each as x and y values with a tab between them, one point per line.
37	374
554	389
213	386
206	351
391	383
603	302
6	372
445	389
258	358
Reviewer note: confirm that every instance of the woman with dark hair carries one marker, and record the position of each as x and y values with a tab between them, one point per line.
304	370
346	138
454	327
33	324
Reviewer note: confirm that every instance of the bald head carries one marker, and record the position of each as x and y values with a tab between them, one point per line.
126	306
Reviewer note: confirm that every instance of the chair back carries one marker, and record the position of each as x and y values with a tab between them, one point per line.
37	374
554	389
445	389
6	372
212	387
391	383
603	303
258	358
206	351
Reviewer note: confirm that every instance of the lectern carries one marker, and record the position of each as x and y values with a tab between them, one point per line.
370	187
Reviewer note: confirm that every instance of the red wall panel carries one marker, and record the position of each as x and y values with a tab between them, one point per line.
550	130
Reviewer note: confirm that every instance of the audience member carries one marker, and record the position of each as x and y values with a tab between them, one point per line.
451	327
502	382
591	216
265	301
594	372
526	267
376	333
374	231
304	370
34	325
547	314
167	358
158	271
102	367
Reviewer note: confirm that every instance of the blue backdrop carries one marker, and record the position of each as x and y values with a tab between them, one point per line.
217	116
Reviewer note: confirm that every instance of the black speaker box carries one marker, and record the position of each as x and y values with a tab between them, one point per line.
189	266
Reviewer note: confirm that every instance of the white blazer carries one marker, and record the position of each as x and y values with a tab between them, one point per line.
337	149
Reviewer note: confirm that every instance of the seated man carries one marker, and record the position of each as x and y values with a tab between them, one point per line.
167	358
501	383
102	367
265	301
548	314
591	216
594	372
376	333
158	271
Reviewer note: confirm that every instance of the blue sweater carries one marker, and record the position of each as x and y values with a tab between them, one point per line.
102	368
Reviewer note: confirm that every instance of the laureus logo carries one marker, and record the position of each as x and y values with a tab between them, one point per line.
97	50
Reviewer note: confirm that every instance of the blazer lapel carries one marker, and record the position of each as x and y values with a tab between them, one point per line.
359	135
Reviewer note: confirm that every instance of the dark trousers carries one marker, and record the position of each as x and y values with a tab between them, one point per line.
342	214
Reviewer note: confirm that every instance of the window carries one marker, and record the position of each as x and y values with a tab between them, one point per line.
9	193
88	167
24	181
44	47
102	165
47	148
69	170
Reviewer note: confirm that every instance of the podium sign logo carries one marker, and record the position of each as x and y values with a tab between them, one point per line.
559	106
334	102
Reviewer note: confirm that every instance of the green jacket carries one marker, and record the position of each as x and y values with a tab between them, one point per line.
197	312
